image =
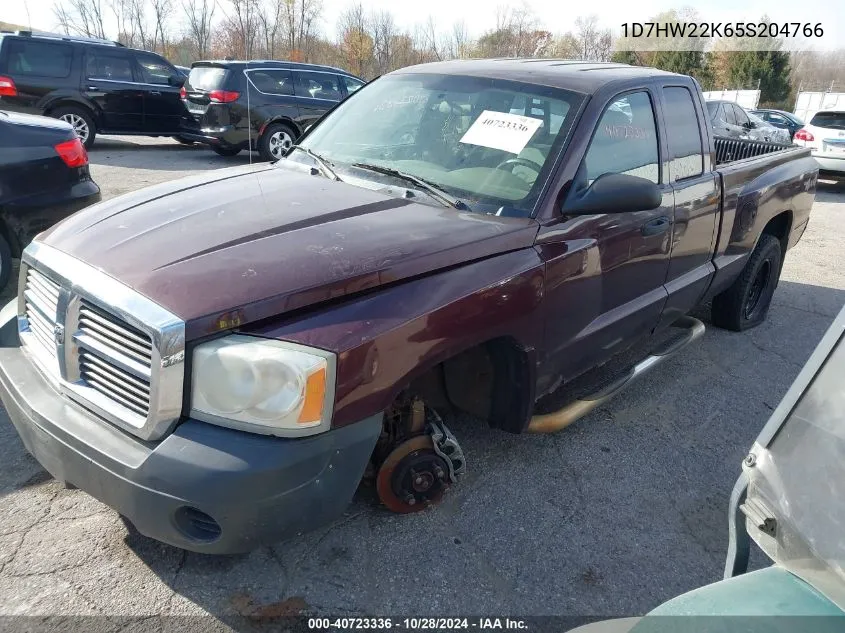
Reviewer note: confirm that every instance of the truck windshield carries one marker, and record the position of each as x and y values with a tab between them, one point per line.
491	143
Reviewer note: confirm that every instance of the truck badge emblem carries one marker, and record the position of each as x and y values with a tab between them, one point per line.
59	333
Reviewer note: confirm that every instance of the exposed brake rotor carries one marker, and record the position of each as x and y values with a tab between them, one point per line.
413	476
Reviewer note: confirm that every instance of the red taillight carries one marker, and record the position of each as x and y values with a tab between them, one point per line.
804	135
7	87
183	94
73	153
223	96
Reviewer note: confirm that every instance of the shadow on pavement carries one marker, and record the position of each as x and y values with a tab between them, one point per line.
160	154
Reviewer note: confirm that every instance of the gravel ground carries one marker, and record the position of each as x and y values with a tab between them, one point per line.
623	510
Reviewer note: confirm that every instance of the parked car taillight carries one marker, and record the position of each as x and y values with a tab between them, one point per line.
7	87
73	153
183	94
223	96
804	135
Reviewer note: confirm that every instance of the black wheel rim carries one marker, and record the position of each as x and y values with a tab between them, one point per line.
757	289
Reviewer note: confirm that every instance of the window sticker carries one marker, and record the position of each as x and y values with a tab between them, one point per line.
501	130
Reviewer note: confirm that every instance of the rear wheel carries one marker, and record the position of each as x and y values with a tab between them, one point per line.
226	151
276	141
81	121
745	304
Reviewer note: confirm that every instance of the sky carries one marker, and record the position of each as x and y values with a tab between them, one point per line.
555	15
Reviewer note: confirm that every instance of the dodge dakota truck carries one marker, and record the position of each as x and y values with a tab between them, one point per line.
222	359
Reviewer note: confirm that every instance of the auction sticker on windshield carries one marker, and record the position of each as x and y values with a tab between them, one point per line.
502	130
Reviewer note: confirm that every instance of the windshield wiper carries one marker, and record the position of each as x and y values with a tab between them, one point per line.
328	172
431	189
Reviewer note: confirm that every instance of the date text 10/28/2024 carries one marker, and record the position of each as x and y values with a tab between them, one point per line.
416	624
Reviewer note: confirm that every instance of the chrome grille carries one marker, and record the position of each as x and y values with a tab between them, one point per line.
41	304
101	343
114	382
114	358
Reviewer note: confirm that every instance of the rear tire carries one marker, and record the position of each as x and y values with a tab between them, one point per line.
745	304
81	120
226	151
5	262
276	141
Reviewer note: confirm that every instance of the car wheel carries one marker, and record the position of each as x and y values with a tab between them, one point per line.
184	141
5	262
745	303
226	151
80	120
276	141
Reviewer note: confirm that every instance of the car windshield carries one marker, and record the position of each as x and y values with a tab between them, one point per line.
489	143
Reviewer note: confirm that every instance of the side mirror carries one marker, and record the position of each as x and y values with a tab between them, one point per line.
176	80
614	193
750	125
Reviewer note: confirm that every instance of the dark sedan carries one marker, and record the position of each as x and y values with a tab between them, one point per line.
44	178
781	119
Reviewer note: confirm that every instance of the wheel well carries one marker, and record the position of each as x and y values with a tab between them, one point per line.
67	104
287	122
493	381
779	227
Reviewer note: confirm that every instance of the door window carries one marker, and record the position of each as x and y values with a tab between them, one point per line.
352	85
39	59
625	141
155	70
272	82
741	117
728	114
318	85
109	66
683	134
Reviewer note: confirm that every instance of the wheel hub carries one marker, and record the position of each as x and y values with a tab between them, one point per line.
413	476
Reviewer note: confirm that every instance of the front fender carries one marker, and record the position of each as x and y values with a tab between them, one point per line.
385	339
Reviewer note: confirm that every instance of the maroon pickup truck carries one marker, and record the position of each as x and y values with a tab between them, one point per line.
223	358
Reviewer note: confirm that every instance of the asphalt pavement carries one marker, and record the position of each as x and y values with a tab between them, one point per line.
618	513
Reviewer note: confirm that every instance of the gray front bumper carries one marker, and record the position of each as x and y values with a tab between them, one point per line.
258	489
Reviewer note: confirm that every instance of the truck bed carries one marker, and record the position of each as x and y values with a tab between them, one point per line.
759	181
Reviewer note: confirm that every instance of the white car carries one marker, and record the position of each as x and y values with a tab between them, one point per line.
825	134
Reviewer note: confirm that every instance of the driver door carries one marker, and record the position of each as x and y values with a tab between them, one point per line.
605	272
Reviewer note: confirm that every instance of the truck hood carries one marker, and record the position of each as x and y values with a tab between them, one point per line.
238	245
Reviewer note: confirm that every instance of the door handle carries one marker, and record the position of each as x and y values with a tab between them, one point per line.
656	226
155	93
93	88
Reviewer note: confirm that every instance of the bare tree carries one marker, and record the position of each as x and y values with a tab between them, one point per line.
594	44
162	10
199	14
138	20
242	24
271	22
300	18
460	41
80	17
356	43
384	34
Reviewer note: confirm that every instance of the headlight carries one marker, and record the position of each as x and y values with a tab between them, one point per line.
263	386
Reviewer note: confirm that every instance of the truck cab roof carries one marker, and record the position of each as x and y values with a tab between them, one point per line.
579	76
